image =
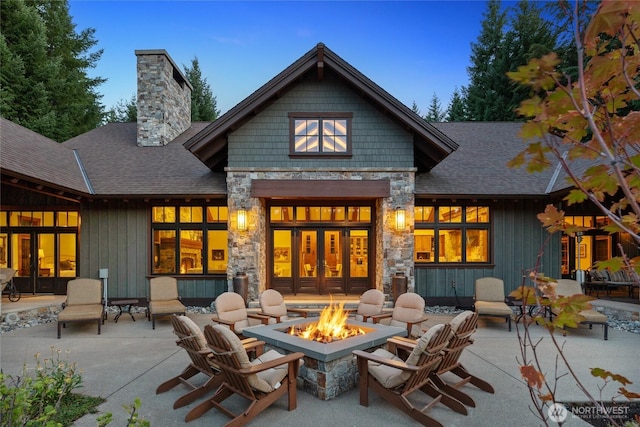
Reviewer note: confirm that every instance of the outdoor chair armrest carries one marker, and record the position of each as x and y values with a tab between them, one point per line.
263	318
384	361
376	318
228	323
289	358
301	311
403	343
253	345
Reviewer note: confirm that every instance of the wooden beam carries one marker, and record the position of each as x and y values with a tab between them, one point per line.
335	189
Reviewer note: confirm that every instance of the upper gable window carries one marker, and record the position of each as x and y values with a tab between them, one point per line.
320	133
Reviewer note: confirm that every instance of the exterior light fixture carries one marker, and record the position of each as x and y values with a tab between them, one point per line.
401	223
242	220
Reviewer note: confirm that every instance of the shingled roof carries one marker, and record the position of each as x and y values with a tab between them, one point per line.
479	167
118	167
431	145
30	157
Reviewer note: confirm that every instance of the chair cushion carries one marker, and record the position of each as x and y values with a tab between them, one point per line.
599	275
493	308
80	312
593	316
423	344
265	381
489	289
459	320
388	376
166	307
195	331
371	303
568	287
269	380
272	303
163	289
84	291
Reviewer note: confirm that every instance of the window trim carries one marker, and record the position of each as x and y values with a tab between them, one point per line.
319	116
463	226
177	226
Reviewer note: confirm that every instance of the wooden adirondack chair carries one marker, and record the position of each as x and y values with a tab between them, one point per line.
231	312
462	327
370	304
395	379
192	340
273	306
261	381
408	312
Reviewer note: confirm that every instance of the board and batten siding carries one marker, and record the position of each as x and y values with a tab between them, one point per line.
115	235
377	142
517	238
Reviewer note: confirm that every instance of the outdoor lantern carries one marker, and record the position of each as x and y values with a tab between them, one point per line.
242	220
400	220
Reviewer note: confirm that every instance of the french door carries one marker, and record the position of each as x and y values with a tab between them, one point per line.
31	254
320	260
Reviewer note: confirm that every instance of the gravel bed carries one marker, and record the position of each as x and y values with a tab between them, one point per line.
617	320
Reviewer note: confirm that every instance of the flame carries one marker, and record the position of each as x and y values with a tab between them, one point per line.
331	326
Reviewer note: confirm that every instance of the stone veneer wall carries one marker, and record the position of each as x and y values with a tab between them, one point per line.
164	99
394	250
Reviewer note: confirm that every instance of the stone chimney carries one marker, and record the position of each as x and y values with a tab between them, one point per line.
164	98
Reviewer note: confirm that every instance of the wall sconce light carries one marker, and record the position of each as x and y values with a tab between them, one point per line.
401	223
242	220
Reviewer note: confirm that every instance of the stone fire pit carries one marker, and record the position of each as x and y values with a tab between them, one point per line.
329	368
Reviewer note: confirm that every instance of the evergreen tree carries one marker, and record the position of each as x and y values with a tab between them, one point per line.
123	111
203	104
530	37
434	113
488	81
25	68
415	108
45	86
457	111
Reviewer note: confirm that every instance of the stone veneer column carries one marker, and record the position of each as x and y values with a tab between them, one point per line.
247	249
164	99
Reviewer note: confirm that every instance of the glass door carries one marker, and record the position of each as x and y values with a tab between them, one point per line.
33	255
333	262
308	266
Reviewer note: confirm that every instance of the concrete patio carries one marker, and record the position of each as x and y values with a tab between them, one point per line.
129	360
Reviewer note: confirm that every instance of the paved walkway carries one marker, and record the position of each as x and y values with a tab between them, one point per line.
129	360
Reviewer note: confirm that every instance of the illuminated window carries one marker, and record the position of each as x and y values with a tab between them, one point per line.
186	241
451	234
320	134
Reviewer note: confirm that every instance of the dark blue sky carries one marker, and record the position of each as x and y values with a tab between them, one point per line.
412	49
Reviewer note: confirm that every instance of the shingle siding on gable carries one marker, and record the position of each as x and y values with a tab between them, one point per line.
377	142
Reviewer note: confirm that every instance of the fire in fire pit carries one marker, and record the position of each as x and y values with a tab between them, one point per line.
331	326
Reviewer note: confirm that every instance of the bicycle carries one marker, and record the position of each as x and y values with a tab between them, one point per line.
8	286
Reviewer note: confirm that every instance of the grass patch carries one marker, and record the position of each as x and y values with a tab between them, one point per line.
75	406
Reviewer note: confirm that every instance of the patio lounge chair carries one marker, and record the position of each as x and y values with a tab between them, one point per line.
395	379
163	298
408	312
568	287
273	306
232	313
490	299
192	340
370	305
463	326
83	304
261	381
